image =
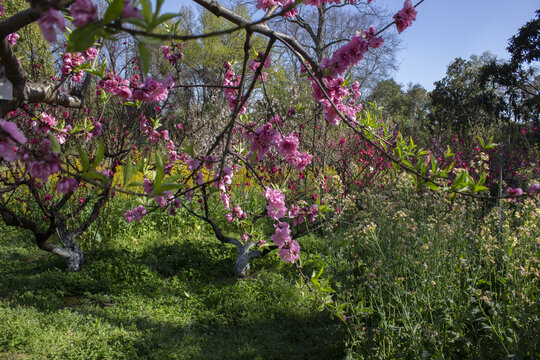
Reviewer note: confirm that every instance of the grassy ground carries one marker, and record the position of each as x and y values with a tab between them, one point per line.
174	301
418	278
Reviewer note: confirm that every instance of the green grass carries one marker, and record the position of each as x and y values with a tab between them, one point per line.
422	278
175	301
418	278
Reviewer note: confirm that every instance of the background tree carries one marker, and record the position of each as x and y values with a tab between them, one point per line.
460	102
407	109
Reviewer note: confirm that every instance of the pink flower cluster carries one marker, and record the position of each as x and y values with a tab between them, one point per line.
351	53
133	89
300	214
236	213
10	138
135	214
66	185
254	64
517	192
163	200
83	12
262	140
47	165
267	4
343	58
265	137
175	55
225	180
130	11
336	92
12	38
71	61
276	203
50	22
289	249
230	80
405	16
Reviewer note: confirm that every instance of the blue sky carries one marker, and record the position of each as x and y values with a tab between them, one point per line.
446	29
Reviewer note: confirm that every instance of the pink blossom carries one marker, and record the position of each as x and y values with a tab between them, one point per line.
405	16
66	185
11	132
226	198
83	12
514	192
91	53
148	187
533	189
123	91
276	203
130	11
43	169
261	140
51	22
290	253
10	136
12	38
288	145
228	175
162	200
244	237
193	164
313	212
48	119
129	216
200	178
136	213
7	153
293	211
139	212
209	162
300	160
282	234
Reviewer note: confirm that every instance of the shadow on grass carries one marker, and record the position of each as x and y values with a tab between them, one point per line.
177	301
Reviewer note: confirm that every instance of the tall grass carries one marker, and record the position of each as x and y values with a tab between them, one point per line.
425	278
419	278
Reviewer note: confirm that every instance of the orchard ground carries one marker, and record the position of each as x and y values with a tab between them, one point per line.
417	278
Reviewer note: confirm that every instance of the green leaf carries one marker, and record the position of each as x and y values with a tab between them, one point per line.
407	163
147	10
163	18
482	179
85	161
94	175
479	188
99	155
55	145
160	172
127	171
432	186
96	72
449	153
145	57
434	164
480	141
114	11
83	38
169	186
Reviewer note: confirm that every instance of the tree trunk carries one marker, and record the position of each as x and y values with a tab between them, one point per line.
69	251
243	257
